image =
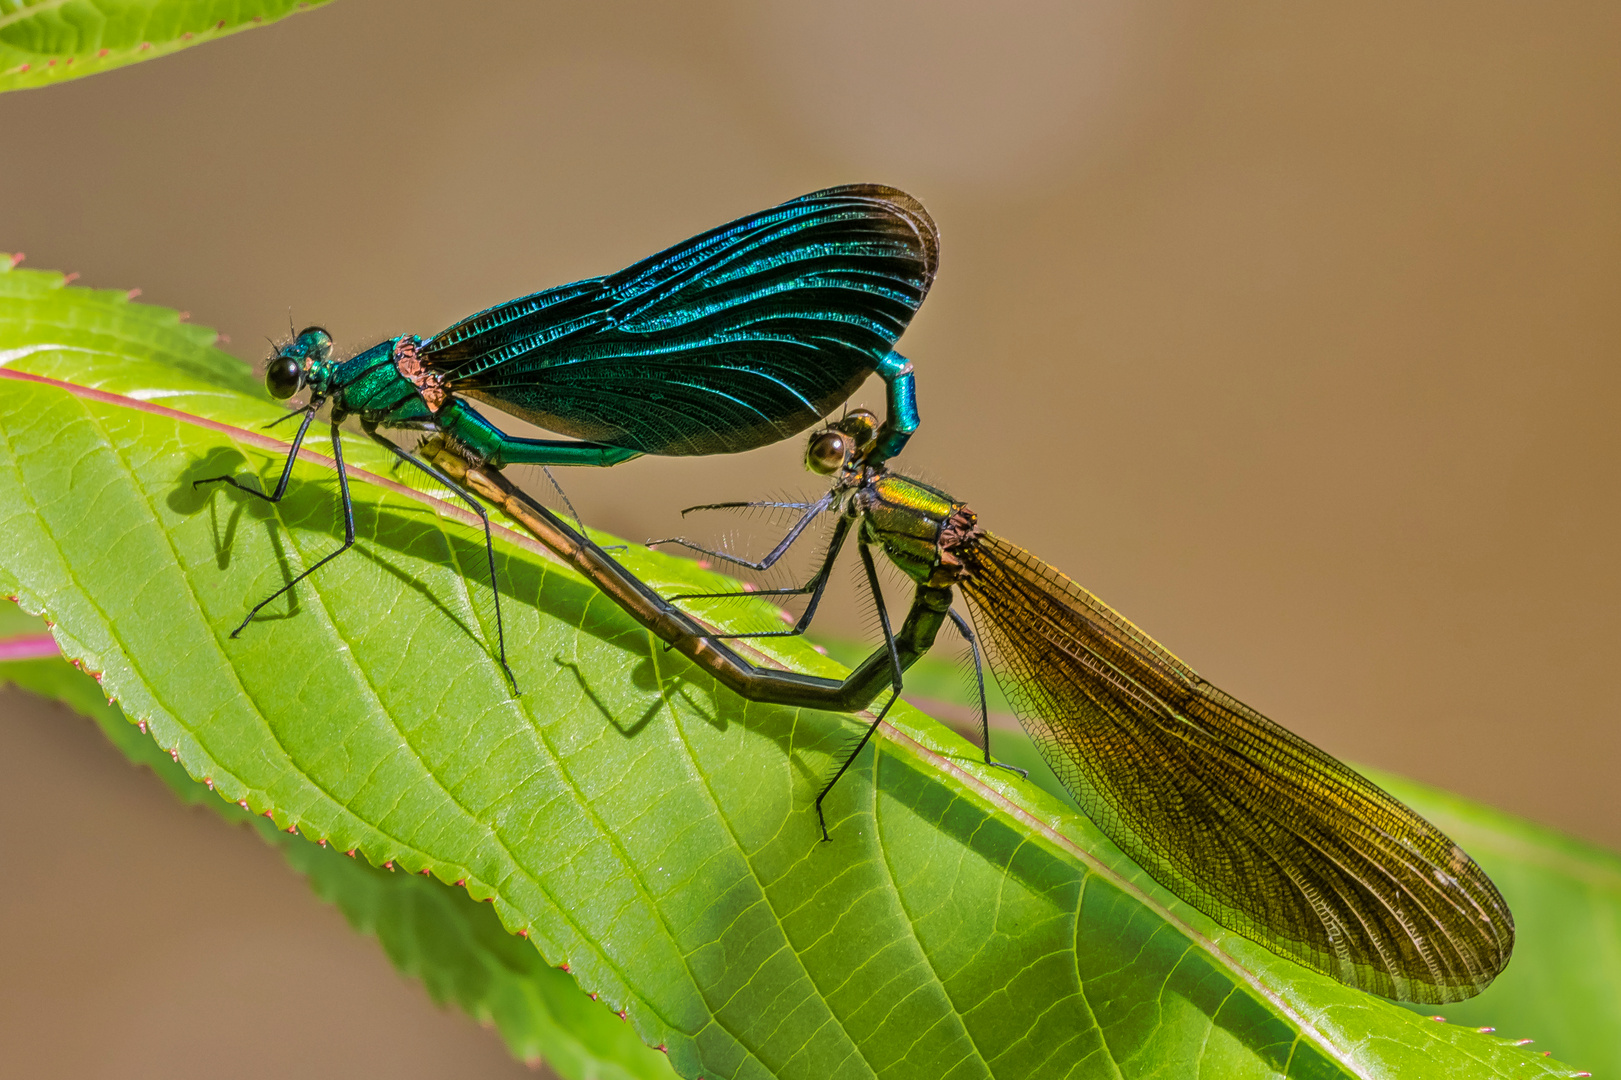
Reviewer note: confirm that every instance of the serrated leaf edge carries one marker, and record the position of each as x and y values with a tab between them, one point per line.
1047	828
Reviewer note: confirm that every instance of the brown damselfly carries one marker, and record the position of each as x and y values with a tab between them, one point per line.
1247	822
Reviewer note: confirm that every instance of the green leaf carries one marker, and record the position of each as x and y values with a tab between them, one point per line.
437	933
1563	987
51	41
637	821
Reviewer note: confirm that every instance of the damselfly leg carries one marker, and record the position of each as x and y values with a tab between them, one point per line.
276	497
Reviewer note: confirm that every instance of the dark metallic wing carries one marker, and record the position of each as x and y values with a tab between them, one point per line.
740	337
1247	822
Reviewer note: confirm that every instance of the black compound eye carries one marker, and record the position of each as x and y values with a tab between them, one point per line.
315	343
283	376
827	452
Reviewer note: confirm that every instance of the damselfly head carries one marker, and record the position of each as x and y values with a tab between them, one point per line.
287	371
844	443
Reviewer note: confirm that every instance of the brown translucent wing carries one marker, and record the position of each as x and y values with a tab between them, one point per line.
1251	824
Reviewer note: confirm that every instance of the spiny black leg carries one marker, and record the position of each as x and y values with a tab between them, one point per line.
282	419
821	819
286	469
811	513
752	504
489	543
348	517
816	586
979	678
895	683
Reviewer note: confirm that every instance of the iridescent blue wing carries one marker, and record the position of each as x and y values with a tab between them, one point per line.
740	337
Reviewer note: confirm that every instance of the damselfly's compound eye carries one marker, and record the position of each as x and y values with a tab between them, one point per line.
315	343
283	376
827	452
861	426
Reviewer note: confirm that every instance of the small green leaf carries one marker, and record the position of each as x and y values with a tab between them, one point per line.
636	820
51	41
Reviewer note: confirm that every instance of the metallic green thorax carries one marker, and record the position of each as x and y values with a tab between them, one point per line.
385	387
915	524
369	386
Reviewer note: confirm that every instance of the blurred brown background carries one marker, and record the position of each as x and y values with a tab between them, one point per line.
1291	332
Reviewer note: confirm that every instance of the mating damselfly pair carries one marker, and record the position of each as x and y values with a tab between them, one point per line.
753	333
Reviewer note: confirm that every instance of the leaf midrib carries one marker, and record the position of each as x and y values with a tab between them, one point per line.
338	805
897	738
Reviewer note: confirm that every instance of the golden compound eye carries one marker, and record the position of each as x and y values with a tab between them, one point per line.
826	452
860	425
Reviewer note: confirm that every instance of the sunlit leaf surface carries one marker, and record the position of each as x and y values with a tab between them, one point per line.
1562	990
434	932
638	823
